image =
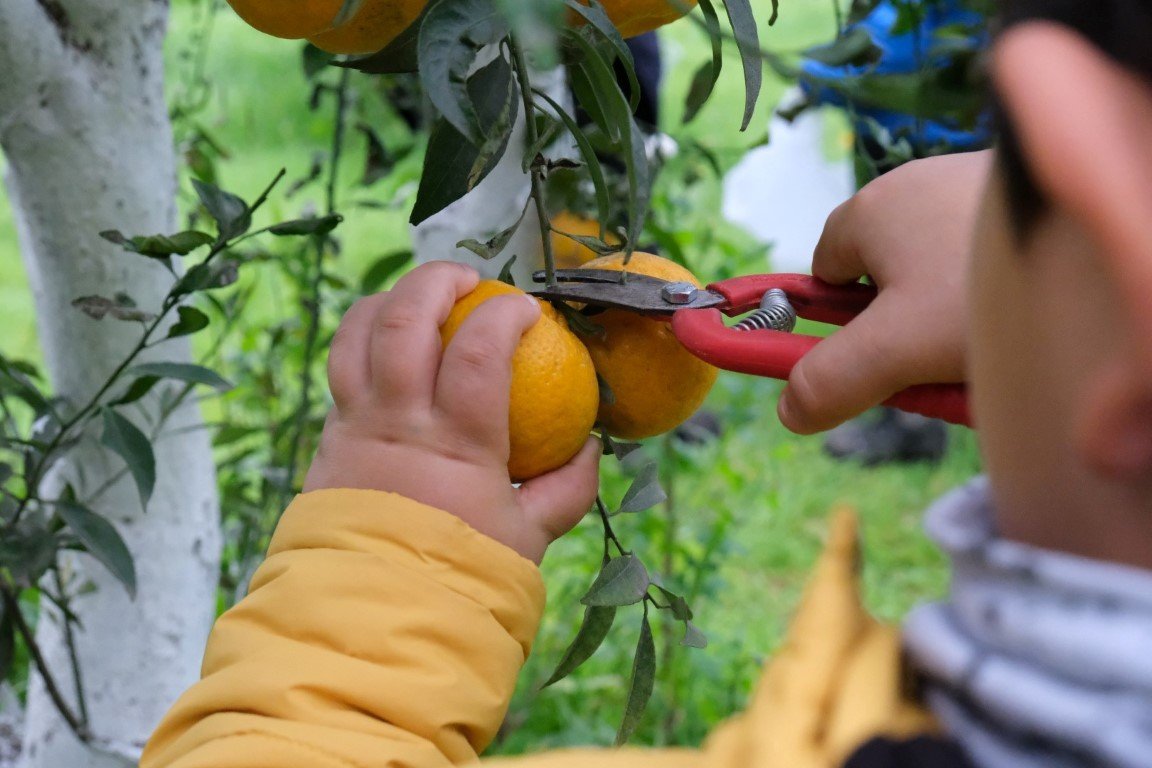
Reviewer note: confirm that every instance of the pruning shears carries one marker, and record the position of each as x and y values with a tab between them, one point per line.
763	343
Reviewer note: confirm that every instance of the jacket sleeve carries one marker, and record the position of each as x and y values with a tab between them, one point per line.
381	633
378	632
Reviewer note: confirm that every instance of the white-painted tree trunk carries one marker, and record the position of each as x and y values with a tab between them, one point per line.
84	128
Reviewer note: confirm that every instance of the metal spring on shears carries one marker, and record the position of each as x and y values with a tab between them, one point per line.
776	313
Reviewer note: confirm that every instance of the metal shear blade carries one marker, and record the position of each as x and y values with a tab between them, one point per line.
620	290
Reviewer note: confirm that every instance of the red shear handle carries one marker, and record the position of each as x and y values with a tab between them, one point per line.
812	298
774	354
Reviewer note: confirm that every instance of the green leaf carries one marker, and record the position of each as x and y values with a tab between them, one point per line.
136	390
854	47
203	277
132	445
645	491
495	245
622	450
378	163
505	275
313	226
909	93
452	33
231	433
748	42
631	142
188	372
231	213
642	683
314	60
453	166
179	244
587	153
381	270
623	581
607	396
595	86
704	81
693	637
27	553
101	540
593	243
191	320
115	236
593	629
578	322
598	20
15	380
676	604
20	366
500	116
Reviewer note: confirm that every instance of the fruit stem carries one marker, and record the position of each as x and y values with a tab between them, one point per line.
536	172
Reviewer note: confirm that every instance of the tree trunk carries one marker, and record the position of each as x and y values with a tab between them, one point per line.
85	130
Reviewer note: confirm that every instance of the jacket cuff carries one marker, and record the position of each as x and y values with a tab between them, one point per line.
422	539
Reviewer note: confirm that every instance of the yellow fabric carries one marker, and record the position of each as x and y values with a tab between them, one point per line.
381	633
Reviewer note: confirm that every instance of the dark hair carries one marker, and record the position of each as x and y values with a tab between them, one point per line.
1120	28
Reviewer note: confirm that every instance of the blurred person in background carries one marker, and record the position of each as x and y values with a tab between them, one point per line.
904	46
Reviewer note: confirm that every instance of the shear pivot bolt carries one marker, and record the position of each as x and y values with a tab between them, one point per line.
678	293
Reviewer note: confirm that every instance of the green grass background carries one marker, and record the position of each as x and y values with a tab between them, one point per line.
769	491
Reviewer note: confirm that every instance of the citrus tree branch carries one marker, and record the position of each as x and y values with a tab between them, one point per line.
536	172
12	606
315	299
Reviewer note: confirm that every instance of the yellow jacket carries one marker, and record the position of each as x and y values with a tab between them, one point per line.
381	633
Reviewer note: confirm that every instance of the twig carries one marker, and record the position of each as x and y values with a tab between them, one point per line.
315	299
70	642
171	301
536	173
12	605
609	534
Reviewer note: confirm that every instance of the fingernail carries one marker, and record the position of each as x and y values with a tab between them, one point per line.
534	302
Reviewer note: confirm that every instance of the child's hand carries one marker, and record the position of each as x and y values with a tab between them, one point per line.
434	427
911	230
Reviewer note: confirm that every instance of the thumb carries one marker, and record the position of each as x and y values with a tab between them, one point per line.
854	369
555	502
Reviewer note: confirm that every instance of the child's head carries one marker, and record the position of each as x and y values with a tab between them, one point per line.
1062	285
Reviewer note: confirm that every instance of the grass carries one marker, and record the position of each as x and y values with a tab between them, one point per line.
766	494
760	494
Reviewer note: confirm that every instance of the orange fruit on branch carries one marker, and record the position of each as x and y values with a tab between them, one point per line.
635	18
554	390
292	19
366	26
655	382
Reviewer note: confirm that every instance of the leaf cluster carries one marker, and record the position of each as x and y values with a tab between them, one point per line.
126	411
475	60
624	580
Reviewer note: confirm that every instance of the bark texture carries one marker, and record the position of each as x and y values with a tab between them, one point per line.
85	132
